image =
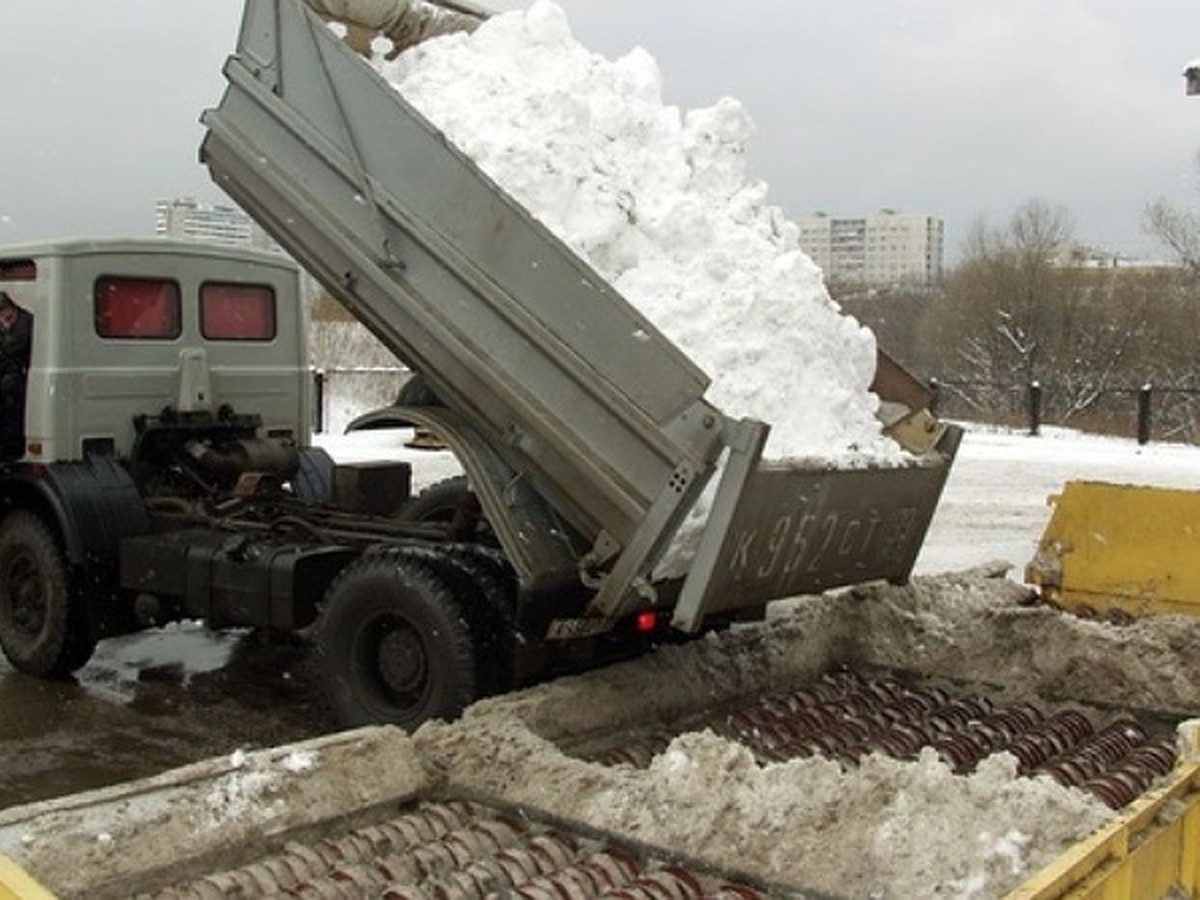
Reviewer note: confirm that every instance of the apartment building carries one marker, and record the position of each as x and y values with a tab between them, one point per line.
883	248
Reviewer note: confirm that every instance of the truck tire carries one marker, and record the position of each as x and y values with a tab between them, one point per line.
417	392
392	646
314	477
486	591
449	502
43	629
439	502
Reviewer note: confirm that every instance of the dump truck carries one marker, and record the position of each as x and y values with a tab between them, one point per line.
166	471
581	455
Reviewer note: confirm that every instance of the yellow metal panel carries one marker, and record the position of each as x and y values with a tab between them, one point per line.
1154	868
1143	853
1124	546
1189	875
16	884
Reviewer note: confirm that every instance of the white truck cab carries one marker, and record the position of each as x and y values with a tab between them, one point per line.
124	329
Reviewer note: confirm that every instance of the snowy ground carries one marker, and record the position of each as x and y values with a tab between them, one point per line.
995	502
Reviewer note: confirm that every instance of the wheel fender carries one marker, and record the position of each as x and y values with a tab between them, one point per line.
542	548
94	504
384	417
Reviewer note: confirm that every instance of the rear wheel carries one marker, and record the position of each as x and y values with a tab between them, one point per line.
43	630
439	502
392	646
452	503
485	590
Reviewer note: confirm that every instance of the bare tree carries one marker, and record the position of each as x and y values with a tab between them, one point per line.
1023	307
1001	297
1177	229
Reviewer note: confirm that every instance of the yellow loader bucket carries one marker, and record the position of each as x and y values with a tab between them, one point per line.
16	884
1121	550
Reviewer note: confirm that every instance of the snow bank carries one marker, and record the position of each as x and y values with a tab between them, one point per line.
658	201
885	828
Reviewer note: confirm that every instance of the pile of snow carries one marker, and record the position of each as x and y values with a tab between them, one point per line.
658	201
254	788
885	828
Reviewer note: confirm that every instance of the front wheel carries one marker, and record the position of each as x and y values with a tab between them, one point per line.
392	646
42	627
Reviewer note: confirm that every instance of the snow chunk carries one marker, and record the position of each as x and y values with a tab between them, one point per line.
299	761
240	794
254	787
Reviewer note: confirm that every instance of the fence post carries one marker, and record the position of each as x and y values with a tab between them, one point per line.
1035	407
1143	415
935	394
319	400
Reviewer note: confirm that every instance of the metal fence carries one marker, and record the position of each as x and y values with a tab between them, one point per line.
1145	412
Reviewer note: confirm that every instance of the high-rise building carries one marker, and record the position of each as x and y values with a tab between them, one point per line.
188	219
883	248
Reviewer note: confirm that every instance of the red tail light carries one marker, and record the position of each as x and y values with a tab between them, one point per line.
646	622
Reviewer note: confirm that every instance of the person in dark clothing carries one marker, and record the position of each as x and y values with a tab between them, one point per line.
16	336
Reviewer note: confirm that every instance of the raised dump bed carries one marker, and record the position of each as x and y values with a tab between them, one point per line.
583	429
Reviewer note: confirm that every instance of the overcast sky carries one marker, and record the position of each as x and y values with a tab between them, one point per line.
959	109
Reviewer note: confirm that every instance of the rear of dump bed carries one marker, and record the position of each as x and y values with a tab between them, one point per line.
584	430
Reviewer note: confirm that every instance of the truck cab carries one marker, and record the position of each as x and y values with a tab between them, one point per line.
158	374
124	329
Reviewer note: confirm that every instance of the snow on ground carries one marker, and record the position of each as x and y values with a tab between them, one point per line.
995	502
884	828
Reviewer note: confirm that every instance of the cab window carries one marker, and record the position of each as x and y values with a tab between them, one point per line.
139	308
18	270
237	312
